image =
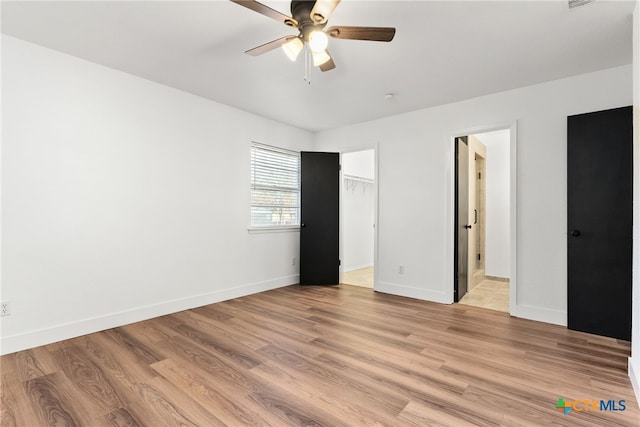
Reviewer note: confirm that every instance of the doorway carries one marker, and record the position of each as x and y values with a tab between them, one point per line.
483	209
358	217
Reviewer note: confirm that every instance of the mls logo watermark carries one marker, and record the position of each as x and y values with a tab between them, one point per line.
590	405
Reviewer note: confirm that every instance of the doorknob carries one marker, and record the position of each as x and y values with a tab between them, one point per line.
302	225
468	227
575	233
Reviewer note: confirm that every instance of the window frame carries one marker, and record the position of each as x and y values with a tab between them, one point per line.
272	228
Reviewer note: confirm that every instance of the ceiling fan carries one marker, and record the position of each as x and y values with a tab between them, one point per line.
310	18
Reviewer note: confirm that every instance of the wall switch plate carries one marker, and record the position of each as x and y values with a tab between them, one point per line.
294	261
401	269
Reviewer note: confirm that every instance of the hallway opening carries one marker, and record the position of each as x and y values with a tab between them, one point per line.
483	206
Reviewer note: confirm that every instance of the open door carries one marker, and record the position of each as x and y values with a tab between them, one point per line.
320	213
462	226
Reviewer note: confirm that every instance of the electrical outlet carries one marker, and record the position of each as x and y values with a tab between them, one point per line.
401	269
5	308
294	261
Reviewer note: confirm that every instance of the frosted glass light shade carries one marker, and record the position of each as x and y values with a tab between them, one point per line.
318	41
293	48
320	58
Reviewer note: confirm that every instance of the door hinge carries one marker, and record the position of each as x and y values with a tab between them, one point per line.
478	257
479	175
339	263
339	167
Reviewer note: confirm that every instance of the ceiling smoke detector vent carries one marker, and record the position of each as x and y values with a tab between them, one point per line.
577	3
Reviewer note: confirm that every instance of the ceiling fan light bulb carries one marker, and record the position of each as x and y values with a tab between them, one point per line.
318	41
320	58
293	48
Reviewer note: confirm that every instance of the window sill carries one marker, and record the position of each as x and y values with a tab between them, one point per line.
275	229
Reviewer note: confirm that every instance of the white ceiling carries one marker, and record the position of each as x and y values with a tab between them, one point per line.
444	51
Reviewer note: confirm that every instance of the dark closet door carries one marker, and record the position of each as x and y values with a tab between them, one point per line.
462	226
599	177
320	212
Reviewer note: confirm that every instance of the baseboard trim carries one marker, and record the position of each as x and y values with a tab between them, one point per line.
539	314
13	343
412	292
635	379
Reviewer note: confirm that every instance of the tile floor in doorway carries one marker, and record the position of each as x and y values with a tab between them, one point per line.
489	294
361	277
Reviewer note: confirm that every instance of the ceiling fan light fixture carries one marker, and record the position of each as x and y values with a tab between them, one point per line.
322	10
293	48
318	41
320	58
310	18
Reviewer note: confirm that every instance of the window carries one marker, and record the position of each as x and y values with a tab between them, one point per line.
275	186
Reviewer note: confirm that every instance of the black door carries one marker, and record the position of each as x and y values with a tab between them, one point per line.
599	178
462	226
319	211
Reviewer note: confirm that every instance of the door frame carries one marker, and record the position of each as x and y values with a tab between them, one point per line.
513	201
376	160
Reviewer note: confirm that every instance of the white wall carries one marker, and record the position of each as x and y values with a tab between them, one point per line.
415	185
358	210
498	244
634	361
124	199
359	163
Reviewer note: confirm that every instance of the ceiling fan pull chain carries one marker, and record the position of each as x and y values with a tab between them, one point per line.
307	64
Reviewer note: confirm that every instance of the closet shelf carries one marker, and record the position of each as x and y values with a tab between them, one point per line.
358	178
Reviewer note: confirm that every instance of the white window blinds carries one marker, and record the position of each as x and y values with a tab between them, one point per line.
275	186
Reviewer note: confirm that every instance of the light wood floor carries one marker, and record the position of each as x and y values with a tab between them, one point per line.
333	356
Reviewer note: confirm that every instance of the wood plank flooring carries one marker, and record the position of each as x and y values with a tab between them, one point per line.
331	356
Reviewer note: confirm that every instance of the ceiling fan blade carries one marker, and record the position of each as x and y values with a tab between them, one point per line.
264	48
378	34
322	10
267	11
329	65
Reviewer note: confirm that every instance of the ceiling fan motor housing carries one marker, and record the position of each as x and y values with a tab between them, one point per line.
301	12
